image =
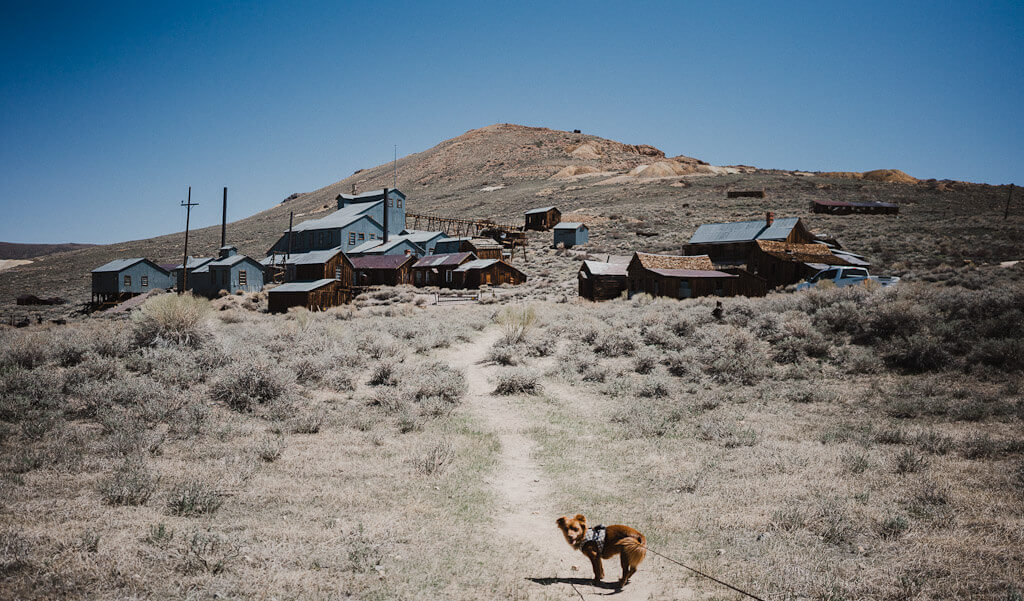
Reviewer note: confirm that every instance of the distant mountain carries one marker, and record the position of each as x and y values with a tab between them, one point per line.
14	250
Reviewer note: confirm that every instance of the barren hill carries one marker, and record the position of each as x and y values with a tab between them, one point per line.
14	250
634	196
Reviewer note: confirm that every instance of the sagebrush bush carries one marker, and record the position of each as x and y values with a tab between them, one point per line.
179	318
130	484
25	349
517	381
515	322
506	354
193	497
247	383
649	418
437	457
614	343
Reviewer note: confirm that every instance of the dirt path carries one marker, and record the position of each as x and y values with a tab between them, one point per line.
527	522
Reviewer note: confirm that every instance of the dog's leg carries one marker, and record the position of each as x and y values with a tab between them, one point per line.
627	569
595	560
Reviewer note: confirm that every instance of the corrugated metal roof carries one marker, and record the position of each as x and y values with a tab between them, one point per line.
118	265
570	225
477	264
301	286
539	210
228	261
314	257
481	243
744	231
378	246
693	273
442	260
194	262
599	268
340	218
380	261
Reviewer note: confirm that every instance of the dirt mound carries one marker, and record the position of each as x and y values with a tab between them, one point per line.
573	170
878	175
586	151
663	169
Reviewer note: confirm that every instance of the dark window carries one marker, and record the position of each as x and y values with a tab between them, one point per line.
144	281
351	238
127	281
362	236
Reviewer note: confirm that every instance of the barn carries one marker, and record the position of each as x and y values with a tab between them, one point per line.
315	296
600	281
383	270
731	243
437	270
493	272
682	277
570	233
123	278
542	219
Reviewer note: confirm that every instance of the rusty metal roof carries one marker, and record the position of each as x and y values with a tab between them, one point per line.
443	260
744	231
381	261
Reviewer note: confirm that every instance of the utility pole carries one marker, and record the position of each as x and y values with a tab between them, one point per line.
184	263
224	220
1006	215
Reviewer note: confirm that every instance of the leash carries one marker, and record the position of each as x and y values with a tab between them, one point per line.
708	576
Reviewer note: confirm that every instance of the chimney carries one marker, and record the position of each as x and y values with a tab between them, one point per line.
385	207
224	220
769	218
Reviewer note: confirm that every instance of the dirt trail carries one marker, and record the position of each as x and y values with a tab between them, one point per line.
527	523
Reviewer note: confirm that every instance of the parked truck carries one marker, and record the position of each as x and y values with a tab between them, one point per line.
846	276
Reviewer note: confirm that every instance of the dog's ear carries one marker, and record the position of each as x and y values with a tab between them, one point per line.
581	519
561	522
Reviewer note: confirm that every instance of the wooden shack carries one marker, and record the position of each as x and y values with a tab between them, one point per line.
484	248
437	270
124	278
600	281
315	296
732	243
320	265
383	270
682	277
542	218
842	207
784	263
570	234
493	272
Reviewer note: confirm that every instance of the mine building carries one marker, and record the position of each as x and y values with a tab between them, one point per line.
359	219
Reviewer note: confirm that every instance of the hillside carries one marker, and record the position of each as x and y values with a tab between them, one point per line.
15	250
620	189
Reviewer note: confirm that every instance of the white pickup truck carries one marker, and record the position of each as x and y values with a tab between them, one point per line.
846	276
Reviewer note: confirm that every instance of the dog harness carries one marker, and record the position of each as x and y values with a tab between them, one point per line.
595	535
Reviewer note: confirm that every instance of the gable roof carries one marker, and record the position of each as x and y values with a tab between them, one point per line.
341	218
194	262
122	264
482	243
313	257
301	286
693	273
477	264
232	260
380	261
378	246
600	268
655	262
539	210
571	225
800	253
445	260
744	231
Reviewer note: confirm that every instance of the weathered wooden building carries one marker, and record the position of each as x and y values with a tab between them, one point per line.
123	278
359	219
732	243
600	281
315	296
784	263
383	270
484	248
570	234
493	272
437	270
841	207
683	277
447	246
320	265
542	218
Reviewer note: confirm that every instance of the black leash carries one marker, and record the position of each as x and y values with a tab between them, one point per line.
708	576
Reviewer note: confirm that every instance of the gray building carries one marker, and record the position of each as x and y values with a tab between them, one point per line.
195	280
569	234
234	273
359	219
122	278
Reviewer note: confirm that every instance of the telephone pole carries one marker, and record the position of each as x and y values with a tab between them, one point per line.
184	264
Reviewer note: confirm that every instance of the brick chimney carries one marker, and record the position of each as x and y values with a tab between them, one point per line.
769	218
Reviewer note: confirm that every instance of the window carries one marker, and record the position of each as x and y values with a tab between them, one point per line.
351	238
399	201
337	273
419	277
448	276
144	280
241	277
719	289
373	236
127	281
684	289
224	276
362	236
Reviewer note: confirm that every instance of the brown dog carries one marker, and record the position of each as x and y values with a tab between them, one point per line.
602	542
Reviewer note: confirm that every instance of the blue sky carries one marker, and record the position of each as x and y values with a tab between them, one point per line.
109	111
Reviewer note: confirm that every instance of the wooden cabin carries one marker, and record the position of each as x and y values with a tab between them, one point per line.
492	272
784	263
682	277
484	248
315	296
600	281
124	278
542	219
438	270
732	243
320	265
570	234
383	270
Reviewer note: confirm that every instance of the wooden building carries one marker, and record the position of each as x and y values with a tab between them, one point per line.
484	248
492	272
124	278
840	207
320	265
683	277
600	281
784	263
732	243
360	218
542	218
437	270
383	270
570	234
315	296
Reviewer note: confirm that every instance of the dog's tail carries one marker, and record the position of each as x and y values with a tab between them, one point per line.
635	548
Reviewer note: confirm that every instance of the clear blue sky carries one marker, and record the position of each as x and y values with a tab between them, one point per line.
108	112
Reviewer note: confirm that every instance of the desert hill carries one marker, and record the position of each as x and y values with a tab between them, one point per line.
15	250
634	196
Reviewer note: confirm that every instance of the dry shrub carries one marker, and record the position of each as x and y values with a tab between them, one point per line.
23	349
131	484
178	318
649	418
268	448
245	384
614	343
308	422
437	457
517	381
506	354
193	497
515	322
204	551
